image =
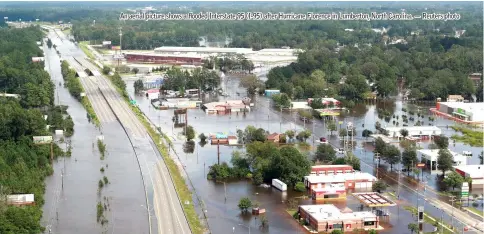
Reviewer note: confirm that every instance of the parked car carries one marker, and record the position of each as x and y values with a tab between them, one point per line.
341	151
323	140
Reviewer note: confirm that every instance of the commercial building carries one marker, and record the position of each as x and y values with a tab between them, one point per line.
274	137
223	139
414	131
331	169
475	172
169	59
152	93
332	192
180	103
470	112
226	107
326	218
352	180
429	156
20	199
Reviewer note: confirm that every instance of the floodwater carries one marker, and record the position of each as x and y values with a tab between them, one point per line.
72	208
220	202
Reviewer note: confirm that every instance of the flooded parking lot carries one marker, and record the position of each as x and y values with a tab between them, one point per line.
224	216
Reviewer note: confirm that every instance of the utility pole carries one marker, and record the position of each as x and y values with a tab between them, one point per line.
377	157
120	45
452	199
218	152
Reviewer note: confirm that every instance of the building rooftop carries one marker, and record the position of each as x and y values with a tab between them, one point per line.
373	199
164	55
340	178
414	129
476	108
434	154
329	212
474	171
331	166
204	49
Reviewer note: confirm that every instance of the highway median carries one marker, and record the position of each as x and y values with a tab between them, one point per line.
161	142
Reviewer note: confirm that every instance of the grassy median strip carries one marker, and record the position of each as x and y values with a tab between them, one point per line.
180	184
430	220
83	46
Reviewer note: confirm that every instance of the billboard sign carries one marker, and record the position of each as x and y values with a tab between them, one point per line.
42	139
115	47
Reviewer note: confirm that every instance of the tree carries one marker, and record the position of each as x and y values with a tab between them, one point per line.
343	132
353	161
250	83
413	227
244	204
138	86
264	222
453	180
281	100
337	232
135	70
366	133
106	70
379	186
409	158
202	137
441	141
190	133
325	153
300	187
404	132
290	134
372	231
391	155
380	146
49	43
445	160
303	135
331	127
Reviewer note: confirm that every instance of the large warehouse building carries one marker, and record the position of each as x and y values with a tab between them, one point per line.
470	112
171	59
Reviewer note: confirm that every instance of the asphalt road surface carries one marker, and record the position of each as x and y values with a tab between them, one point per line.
109	104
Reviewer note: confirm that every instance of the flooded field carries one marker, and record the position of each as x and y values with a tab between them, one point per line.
220	201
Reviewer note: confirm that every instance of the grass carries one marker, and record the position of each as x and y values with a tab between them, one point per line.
475	210
87	105
470	137
102	148
180	184
429	219
87	51
67	31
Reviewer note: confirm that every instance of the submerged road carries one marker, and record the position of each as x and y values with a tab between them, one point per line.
162	199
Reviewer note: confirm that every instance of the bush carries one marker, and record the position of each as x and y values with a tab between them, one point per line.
300	187
244	204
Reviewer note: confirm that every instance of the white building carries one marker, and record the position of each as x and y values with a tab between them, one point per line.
431	155
415	131
476	172
350	180
470	111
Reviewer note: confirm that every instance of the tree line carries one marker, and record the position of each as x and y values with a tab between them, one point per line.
24	165
202	79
